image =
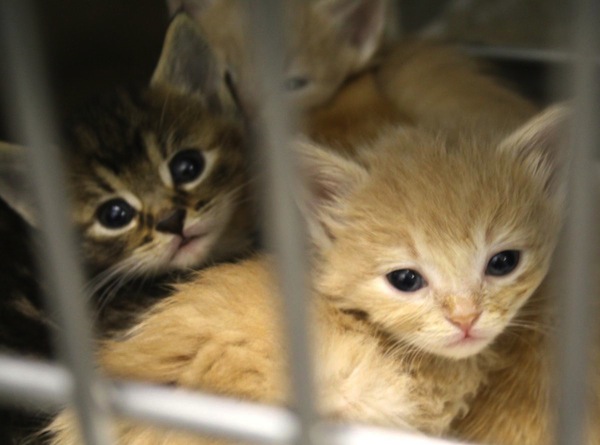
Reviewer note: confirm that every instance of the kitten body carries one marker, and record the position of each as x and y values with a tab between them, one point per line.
357	114
388	351
437	86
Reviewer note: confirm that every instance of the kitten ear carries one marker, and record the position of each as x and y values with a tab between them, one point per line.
330	179
15	187
188	65
360	24
541	145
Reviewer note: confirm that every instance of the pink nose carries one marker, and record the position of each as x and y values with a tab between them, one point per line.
464	321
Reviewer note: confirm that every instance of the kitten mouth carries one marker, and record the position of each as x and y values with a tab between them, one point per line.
467	340
187	240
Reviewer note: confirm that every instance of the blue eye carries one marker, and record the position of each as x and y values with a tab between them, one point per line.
186	166
503	263
296	83
406	280
115	213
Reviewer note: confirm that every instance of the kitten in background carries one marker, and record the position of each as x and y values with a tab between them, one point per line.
426	249
327	41
422	83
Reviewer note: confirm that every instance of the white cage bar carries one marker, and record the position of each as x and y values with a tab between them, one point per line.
46	386
285	232
29	99
575	333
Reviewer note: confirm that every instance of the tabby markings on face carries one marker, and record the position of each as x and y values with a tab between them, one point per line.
156	189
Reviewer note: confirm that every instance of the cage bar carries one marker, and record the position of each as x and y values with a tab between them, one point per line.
579	290
28	97
284	228
46	386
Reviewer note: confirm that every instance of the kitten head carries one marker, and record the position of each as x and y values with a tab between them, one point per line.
327	41
435	242
158	176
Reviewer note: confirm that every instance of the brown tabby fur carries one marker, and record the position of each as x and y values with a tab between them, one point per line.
397	364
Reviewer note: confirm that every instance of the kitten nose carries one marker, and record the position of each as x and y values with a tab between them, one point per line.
173	223
464	320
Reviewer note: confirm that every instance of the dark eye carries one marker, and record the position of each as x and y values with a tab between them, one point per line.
186	166
115	213
406	280
295	83
503	263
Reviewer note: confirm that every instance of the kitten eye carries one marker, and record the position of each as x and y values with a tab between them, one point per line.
503	263
295	83
186	166
115	213
406	280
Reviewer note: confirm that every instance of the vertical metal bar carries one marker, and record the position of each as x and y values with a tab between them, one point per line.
575	333
28	98
285	230
393	23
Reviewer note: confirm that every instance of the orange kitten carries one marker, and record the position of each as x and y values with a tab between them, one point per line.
326	42
426	249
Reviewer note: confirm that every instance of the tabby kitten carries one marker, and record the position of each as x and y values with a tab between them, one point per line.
157	177
327	41
158	183
426	249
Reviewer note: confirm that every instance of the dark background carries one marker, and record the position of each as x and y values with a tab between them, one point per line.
91	46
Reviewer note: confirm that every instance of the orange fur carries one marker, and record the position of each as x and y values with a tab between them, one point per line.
417	84
357	114
438	87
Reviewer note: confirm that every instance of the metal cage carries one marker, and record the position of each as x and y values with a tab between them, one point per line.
46	386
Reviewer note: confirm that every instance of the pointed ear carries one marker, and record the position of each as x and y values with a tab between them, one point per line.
15	187
541	144
330	180
188	66
360	23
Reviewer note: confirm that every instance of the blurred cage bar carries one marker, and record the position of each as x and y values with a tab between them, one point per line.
47	386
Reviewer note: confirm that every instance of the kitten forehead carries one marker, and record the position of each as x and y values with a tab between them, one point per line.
423	181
